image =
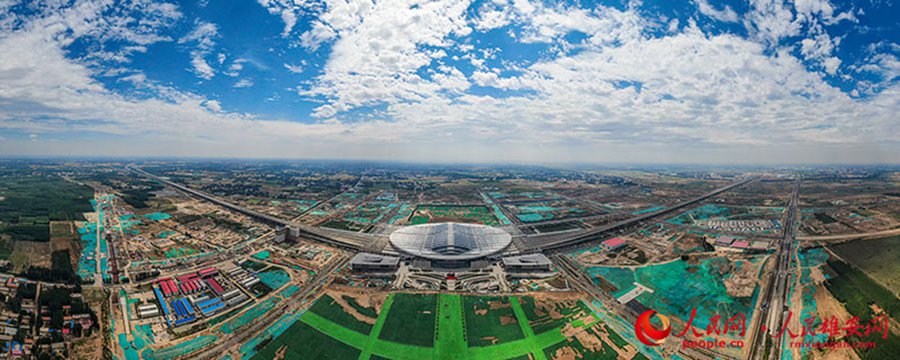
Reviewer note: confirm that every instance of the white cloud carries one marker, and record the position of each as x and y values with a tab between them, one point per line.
319	34
243	83
379	49
296	69
44	91
493	15
726	14
622	96
203	37
603	25
235	68
289	11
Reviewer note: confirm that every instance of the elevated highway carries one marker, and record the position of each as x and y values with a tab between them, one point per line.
296	230
561	241
774	297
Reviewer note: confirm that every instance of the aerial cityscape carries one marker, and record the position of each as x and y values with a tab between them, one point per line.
449	179
246	259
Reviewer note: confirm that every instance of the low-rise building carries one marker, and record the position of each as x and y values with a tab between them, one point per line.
374	263
527	263
613	244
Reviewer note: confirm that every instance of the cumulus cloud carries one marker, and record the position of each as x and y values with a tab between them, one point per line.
379	49
410	75
203	38
45	91
725	14
296	69
289	11
243	83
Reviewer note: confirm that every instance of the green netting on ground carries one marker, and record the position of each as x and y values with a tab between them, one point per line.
532	217
439	213
809	259
648	210
304	205
536	212
146	332
622	278
179	350
705	212
678	287
813	257
404	212
166	233
177	252
157	216
496	210
369	213
289	291
262	255
273	331
128	221
131	351
248	316
87	263
274	278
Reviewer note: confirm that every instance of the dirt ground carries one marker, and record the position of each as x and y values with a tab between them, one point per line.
744	278
92	347
30	253
373	300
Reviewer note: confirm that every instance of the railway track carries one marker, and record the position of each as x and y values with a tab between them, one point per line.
567	241
292	303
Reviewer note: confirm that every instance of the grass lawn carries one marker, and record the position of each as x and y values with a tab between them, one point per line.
450	333
415	327
443	213
607	353
411	320
327	308
880	258
856	291
539	323
304	342
486	326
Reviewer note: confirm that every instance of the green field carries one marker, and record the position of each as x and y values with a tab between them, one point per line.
369	213
367	311
879	258
857	291
607	353
29	202
485	317
305	342
539	319
403	317
411	320
444	213
343	225
327	308
448	342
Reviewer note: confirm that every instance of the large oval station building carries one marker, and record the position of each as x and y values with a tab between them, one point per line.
450	245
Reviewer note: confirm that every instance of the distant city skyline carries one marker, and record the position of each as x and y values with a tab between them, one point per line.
689	82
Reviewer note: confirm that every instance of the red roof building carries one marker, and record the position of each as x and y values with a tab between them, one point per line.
741	244
613	243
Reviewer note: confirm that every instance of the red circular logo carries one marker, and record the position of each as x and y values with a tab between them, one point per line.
649	334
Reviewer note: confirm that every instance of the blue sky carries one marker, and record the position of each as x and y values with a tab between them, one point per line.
765	81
